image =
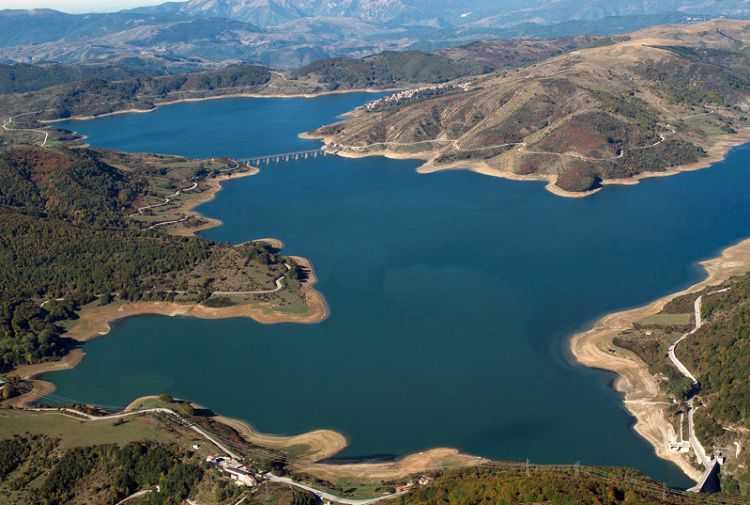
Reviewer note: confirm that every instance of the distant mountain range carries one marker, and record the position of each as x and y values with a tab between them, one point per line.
290	33
443	12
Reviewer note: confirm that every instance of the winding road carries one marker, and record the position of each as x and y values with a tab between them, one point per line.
134	496
122	415
168	199
456	144
9	121
672	348
279	281
77	414
330	497
698	449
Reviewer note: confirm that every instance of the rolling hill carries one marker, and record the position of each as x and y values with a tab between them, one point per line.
663	98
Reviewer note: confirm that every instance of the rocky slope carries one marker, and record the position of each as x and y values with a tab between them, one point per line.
665	98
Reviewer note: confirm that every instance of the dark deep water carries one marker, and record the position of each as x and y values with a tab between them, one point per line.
453	295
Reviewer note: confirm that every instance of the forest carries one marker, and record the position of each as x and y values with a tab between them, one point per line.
498	484
67	241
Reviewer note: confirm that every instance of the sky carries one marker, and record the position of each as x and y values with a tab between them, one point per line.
77	5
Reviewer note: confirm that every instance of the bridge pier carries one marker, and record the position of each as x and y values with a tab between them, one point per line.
285	157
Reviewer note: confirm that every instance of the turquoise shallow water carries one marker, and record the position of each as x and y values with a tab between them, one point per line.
453	295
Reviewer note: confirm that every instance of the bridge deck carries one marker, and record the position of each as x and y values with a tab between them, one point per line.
288	156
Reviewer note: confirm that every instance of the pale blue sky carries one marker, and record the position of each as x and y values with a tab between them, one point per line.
77	5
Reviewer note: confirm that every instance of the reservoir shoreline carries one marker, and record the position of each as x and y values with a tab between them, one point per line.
166	103
95	321
718	151
640	389
270	428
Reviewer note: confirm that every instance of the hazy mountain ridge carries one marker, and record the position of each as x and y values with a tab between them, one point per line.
451	12
292	33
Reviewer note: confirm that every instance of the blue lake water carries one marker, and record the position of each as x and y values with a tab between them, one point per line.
453	295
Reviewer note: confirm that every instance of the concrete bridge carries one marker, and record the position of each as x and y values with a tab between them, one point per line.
267	159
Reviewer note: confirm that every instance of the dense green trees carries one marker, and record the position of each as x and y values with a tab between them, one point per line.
388	68
720	353
97	474
66	240
97	93
495	485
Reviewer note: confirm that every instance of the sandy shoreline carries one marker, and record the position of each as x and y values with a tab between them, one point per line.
95	321
643	399
219	97
322	444
196	200
716	153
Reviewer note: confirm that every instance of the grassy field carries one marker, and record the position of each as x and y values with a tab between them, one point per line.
666	319
76	433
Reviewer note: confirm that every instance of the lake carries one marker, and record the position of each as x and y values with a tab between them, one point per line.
453	295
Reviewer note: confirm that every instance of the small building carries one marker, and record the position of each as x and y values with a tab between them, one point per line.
425	480
404	487
239	473
241	477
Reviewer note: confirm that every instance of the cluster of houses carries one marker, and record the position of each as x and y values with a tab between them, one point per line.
410	94
239	473
424	480
244	476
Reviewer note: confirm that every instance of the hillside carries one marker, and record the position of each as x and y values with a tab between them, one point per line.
102	95
514	484
718	354
50	459
390	69
76	233
60	91
387	70
664	98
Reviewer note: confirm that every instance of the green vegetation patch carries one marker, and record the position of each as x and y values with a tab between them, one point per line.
37	470
77	433
666	319
388	68
498	485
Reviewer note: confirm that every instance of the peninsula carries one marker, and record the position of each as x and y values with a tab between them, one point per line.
657	102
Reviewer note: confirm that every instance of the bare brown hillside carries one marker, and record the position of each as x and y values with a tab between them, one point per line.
660	100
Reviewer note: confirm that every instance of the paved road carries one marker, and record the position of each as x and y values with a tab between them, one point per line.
122	415
166	223
168	199
9	121
456	144
284	480
330	497
698	448
279	281
673	348
134	496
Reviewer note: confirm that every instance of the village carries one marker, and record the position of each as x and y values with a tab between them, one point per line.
415	94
